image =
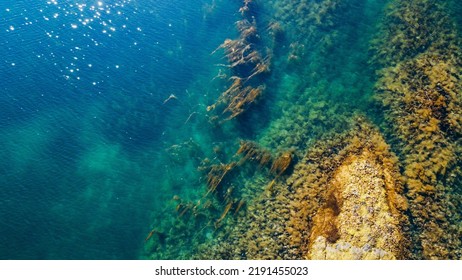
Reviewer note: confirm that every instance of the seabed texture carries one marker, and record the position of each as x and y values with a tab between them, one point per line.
362	156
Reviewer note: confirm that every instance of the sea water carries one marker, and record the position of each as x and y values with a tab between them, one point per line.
83	122
105	120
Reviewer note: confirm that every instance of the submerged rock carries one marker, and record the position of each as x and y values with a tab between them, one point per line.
359	219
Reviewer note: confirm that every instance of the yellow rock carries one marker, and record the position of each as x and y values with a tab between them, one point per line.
358	220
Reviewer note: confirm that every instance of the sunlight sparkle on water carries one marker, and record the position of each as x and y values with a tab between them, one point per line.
75	29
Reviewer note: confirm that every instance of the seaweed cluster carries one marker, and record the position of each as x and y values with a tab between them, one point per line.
246	62
420	87
315	94
308	22
227	194
224	191
252	151
306	120
413	27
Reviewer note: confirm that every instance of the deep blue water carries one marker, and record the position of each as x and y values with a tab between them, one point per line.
82	118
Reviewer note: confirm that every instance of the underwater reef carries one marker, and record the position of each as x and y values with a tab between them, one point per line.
346	204
420	88
361	156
